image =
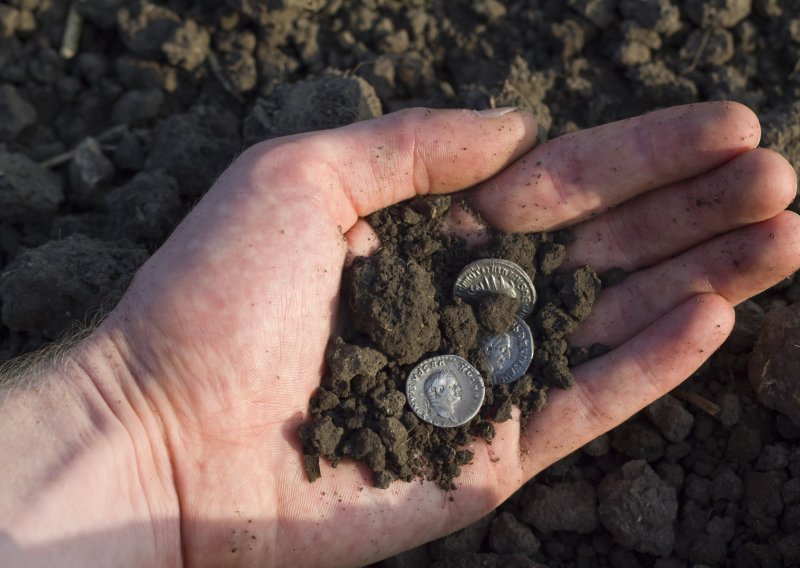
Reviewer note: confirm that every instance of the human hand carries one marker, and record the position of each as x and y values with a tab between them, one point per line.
223	331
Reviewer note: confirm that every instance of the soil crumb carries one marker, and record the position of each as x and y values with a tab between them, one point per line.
400	309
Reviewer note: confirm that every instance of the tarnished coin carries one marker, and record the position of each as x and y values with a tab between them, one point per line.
445	390
508	355
498	276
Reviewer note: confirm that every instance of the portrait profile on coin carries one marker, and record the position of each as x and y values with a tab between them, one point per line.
508	354
443	391
498	352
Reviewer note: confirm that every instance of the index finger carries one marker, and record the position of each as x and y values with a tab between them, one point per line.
580	174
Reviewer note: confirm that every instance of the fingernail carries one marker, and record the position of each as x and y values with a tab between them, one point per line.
495	112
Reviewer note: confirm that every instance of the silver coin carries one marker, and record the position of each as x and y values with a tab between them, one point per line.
445	390
508	355
498	276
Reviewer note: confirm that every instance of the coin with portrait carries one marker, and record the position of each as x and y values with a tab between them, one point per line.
508	355
496	276
445	390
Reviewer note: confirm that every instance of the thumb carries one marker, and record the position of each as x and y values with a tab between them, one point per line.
369	165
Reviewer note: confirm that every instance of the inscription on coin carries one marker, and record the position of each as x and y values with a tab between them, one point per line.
445	390
497	276
508	355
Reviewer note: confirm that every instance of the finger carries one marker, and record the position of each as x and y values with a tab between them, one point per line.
753	187
577	175
362	240
366	166
611	388
736	266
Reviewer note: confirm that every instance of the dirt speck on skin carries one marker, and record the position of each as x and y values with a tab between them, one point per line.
401	310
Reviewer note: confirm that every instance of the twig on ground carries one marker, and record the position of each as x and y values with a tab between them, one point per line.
699	53
64	157
72	33
700	402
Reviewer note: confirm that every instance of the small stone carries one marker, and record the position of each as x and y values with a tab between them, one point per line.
789	548
195	147
744	445
760	555
726	485
773	457
639	509
508	535
90	173
708	550
92	66
697	489
48	288
791	491
730	410
341	100
762	501
567	506
638	440
671	418
598	447
16	114
27	190
137	107
671	473
129	154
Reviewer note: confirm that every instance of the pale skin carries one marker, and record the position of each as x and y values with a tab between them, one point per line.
168	437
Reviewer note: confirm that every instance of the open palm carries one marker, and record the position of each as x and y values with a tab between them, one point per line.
226	325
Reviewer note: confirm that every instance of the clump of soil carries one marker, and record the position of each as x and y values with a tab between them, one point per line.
401	310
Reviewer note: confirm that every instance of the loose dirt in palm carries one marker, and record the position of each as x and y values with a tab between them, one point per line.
400	309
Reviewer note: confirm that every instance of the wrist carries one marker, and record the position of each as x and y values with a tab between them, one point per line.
90	482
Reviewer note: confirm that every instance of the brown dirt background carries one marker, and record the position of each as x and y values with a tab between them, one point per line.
102	153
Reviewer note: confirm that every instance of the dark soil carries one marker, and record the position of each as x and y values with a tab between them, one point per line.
162	95
401	310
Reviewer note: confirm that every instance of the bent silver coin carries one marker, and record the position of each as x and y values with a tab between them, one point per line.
497	276
445	390
508	355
